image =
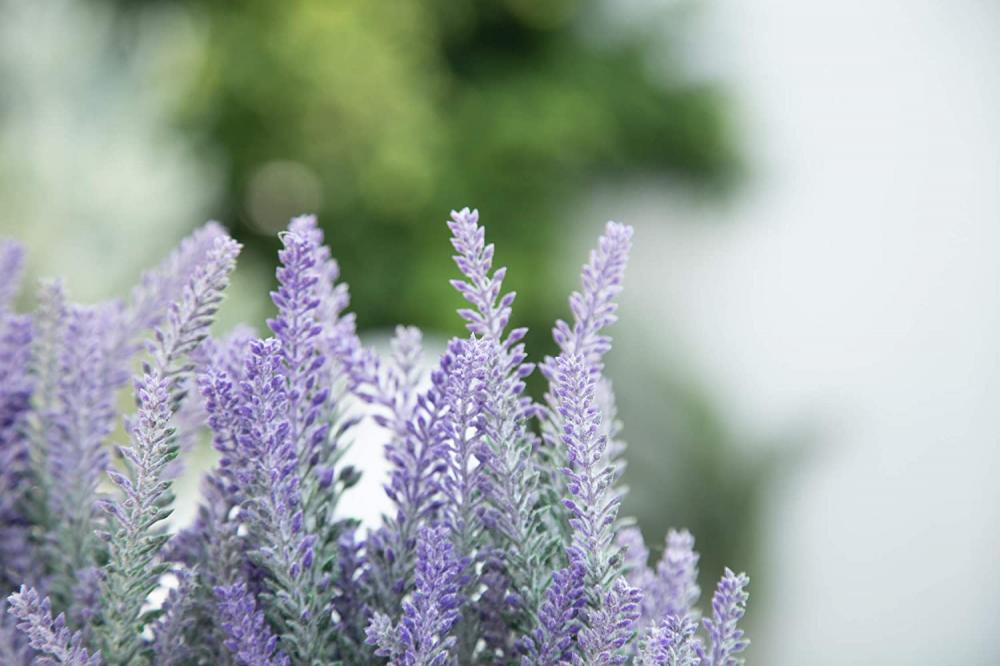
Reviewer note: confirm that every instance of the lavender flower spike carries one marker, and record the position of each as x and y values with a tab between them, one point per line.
475	259
593	310
136	535
422	636
610	627
677	576
11	267
728	607
248	637
671	643
298	328
592	510
550	644
594	306
49	636
266	473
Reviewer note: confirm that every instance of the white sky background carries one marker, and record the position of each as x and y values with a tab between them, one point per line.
854	283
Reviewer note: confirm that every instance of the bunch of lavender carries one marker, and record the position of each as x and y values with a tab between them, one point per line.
504	544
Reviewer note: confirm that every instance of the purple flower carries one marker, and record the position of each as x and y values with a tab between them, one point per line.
349	602
552	641
136	534
610	627
14	648
510	471
671	643
77	423
301	285
417	461
677	576
15	396
594	307
159	288
49	636
728	607
489	316
421	638
248	636
462	484
593	510
11	268
172	632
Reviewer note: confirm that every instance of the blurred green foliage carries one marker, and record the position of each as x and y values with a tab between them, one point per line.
383	116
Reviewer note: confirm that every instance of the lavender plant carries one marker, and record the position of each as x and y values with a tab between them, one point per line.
504	544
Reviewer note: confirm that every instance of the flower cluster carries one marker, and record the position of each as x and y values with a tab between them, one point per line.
504	543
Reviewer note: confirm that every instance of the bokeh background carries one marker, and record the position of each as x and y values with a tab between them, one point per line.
807	363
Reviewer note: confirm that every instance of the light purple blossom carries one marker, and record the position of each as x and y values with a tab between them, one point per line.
135	534
421	638
726	638
593	510
610	627
502	546
248	636
47	635
671	643
552	641
677	576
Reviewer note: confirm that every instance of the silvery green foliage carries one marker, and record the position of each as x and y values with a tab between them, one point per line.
503	544
135	534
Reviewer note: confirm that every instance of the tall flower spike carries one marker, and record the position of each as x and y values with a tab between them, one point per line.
507	454
635	564
15	396
551	643
49	636
79	423
421	638
462	484
594	308
677	576
136	534
14	648
158	288
298	329
610	627
728	607
593	509
671	643
11	268
174	628
417	460
266	473
489	317
248	637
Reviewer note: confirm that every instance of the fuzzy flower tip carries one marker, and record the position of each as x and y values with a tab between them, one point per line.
49	636
728	607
